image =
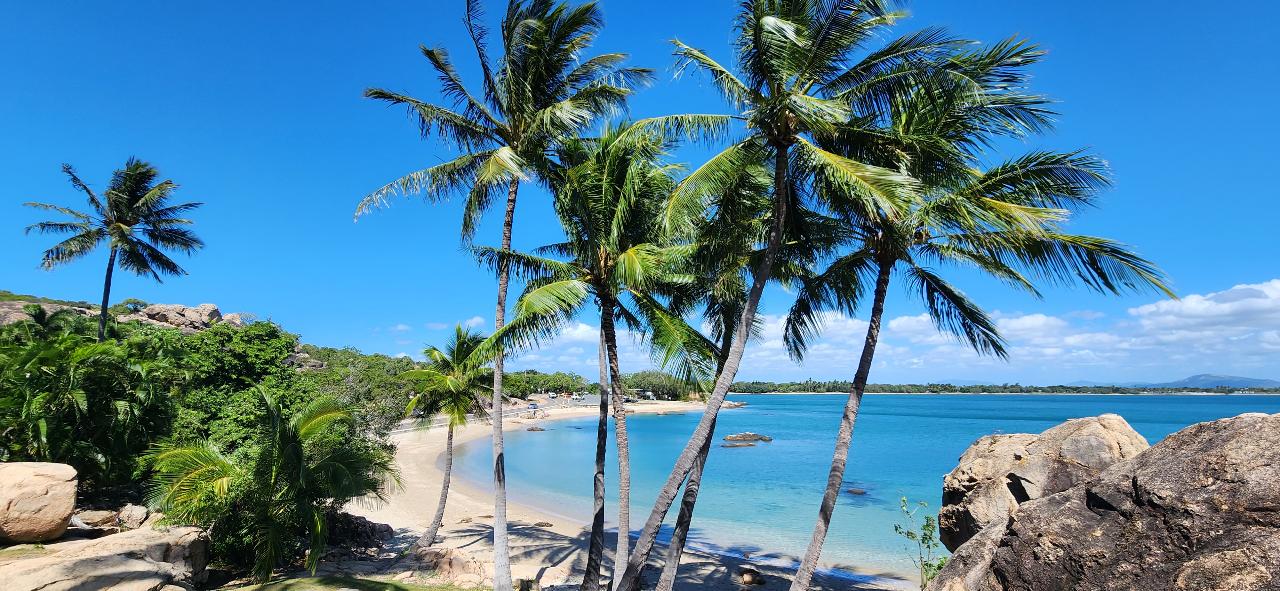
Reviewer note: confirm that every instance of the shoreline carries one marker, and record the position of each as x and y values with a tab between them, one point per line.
546	545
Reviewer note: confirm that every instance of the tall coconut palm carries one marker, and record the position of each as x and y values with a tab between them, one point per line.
452	384
608	197
799	80
1005	222
538	91
135	219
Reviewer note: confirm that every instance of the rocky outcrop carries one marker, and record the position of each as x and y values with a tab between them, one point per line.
999	472
1199	511
138	560
302	361
184	318
11	312
36	500
748	436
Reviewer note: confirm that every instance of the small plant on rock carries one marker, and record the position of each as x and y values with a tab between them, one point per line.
924	535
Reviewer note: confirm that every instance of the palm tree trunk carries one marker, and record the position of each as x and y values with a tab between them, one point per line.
501	549
684	463
106	297
835	477
595	548
675	549
429	539
680	534
620	435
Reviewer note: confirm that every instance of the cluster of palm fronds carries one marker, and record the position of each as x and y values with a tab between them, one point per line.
848	163
64	397
275	494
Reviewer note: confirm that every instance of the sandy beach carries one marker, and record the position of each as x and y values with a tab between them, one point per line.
544	547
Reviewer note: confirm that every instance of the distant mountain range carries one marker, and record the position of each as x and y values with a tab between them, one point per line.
1204	380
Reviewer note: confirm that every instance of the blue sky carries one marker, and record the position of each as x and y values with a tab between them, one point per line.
256	110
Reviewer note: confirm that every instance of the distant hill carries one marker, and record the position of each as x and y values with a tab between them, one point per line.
1204	380
1207	380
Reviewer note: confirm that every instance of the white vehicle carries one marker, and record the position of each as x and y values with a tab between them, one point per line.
553	396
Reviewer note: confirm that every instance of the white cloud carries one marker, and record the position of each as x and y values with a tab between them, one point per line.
474	322
437	325
1231	331
401	328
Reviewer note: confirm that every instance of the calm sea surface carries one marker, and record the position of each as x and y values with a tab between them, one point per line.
763	500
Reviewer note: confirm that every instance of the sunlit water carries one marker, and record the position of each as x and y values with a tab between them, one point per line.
763	500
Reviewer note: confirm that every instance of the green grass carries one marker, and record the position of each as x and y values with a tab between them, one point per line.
9	296
22	551
333	583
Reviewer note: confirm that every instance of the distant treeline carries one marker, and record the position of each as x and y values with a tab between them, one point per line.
845	386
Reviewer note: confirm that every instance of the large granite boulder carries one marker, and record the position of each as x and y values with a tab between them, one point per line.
185	318
36	500
999	472
137	560
1200	511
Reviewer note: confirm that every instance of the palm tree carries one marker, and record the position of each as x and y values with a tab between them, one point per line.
452	385
608	197
1004	222
799	83
538	92
290	481
136	220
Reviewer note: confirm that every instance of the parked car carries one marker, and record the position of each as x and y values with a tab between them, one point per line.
553	396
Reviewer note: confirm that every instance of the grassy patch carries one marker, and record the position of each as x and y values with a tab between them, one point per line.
9	296
22	551
333	583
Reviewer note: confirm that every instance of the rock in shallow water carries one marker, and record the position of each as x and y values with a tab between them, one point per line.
1200	511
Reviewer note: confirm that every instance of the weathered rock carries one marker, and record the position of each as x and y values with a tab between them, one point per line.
354	530
750	576
748	436
132	516
303	361
11	312
450	564
137	560
96	518
857	491
535	429
184	318
1200	511
36	500
999	472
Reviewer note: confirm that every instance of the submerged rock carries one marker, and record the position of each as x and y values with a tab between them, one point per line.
743	444
1198	511
36	500
999	472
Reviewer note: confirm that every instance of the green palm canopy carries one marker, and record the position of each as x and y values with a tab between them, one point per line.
134	217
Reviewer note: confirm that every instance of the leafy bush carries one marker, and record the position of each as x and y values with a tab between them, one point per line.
924	536
271	499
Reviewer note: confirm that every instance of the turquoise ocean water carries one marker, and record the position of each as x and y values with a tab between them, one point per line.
763	500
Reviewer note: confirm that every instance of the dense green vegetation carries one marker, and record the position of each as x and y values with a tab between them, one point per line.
231	430
844	386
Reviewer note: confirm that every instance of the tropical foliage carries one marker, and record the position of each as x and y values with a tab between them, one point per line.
269	499
226	400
